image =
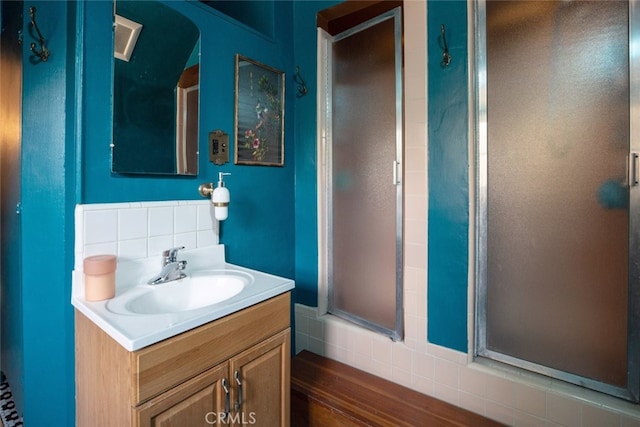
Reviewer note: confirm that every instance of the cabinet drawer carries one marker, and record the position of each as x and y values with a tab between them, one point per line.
187	404
170	362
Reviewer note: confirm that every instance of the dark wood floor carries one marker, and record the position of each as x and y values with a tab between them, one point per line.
329	393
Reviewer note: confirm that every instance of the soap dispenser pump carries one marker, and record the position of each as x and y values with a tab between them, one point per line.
220	198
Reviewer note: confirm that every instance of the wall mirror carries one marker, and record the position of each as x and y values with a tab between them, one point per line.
156	80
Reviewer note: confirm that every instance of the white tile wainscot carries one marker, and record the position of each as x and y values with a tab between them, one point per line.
514	398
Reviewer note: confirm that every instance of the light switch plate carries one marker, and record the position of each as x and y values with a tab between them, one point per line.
218	147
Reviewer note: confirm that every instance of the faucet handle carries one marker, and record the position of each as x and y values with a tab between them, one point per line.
171	255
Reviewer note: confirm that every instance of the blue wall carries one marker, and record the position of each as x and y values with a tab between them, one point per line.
272	224
46	381
448	171
306	237
260	230
66	160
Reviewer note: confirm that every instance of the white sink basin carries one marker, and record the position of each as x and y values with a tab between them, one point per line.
197	290
141	314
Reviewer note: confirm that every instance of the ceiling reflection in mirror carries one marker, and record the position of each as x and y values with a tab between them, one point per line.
155	91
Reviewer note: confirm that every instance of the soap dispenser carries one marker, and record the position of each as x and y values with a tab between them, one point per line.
220	199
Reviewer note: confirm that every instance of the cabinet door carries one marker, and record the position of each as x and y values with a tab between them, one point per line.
260	378
197	402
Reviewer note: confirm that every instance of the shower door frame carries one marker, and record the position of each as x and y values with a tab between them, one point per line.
325	184
479	139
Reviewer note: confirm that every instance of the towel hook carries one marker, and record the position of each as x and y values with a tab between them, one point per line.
302	86
446	58
43	54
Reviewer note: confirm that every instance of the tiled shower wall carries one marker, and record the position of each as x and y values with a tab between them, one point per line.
142	229
512	397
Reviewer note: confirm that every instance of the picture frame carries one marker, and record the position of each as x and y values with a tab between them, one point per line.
259	114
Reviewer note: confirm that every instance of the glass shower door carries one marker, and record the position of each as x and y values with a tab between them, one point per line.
364	177
555	212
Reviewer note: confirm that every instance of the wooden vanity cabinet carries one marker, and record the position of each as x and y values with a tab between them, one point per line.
236	367
189	404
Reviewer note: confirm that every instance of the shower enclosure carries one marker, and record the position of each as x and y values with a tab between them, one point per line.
361	174
557	162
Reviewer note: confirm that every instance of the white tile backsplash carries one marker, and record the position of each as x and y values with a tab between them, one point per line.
142	229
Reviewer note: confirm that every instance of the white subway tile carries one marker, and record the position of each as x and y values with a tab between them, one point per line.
132	223
363	344
157	245
185	218
363	362
401	357
302	342
336	353
416	160
206	219
400	375
186	240
563	410
316	346
416	183
301	323
381	350
424	365
473	381
530	400
132	249
415	207
446	373
471	402
422	385
500	413
160	221
447	354
416	343
335	334
109	248
379	369
416	255
305	310
500	390
316	329
446	393
593	416
100	226
207	238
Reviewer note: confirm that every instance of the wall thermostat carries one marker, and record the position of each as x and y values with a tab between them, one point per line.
218	147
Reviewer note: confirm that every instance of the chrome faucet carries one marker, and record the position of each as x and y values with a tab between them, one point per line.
172	268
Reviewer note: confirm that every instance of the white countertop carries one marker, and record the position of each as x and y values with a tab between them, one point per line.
135	331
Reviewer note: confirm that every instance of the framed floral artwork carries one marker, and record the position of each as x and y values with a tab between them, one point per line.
259	114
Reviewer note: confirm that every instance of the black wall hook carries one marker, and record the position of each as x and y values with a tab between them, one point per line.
43	53
302	86
446	58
